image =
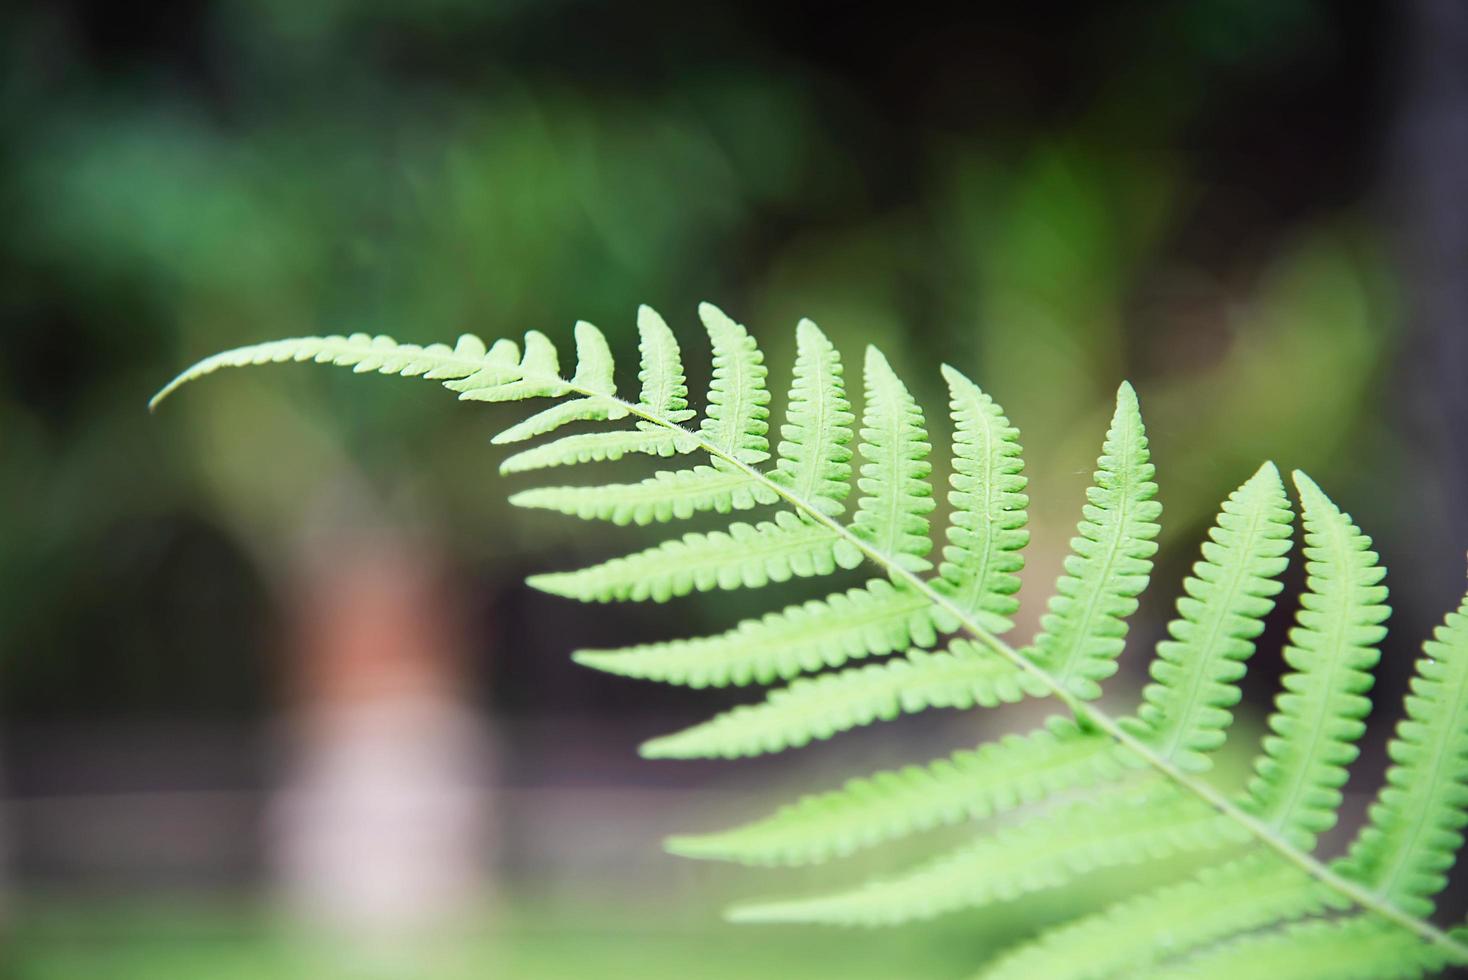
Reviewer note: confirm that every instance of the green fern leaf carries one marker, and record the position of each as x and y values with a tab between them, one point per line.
1416	825
962	676
538	374
363	353
875	619
1356	948
1196	673
1085	629
814	459
664	394
1045	852
594	375
665	496
562	413
891	514
595	370
1296	787
969	785
664	391
586	447
771	551
1220	901
735	420
986	530
1364	914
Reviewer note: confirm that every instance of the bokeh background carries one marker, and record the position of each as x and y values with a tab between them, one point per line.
273	699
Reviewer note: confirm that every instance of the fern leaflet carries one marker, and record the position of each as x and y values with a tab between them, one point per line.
818	707
1111	560
1045	852
1332	650
1195	674
1415	828
969	785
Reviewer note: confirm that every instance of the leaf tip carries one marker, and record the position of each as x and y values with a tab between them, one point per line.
687	845
956	379
1268	474
765	912
549	582
657	748
603	660
710	314
876	360
534	497
806	332
162	394
1307	487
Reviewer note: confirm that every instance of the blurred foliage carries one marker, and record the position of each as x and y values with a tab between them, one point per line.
1051	205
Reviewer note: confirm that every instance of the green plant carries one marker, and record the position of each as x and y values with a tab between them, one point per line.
1099	790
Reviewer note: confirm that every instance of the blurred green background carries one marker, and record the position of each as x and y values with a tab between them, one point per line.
1254	211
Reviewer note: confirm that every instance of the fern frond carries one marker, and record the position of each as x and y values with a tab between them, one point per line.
662	497
1415	827
815	461
872	620
986	532
1123	828
1111	561
737	400
1360	947
1145	775
1219	901
891	514
744	557
813	708
970	785
1332	649
1196	673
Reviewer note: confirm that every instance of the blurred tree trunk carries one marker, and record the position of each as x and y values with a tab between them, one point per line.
380	828
1432	171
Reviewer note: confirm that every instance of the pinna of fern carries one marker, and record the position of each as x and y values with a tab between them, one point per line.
1089	789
